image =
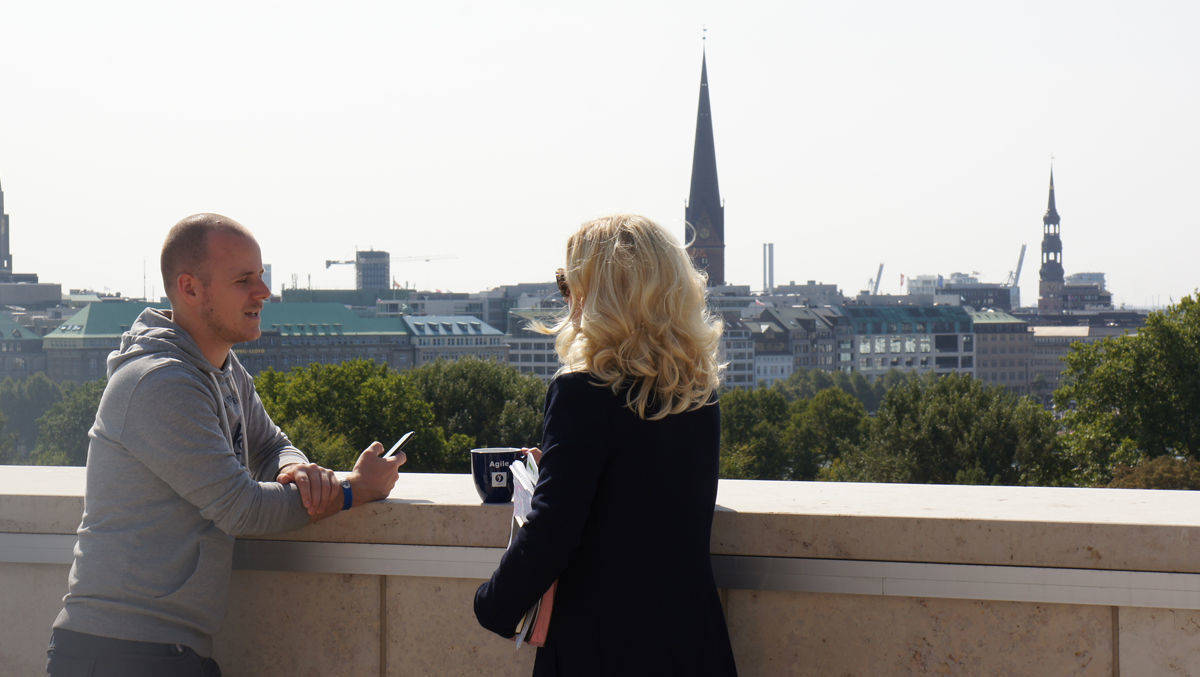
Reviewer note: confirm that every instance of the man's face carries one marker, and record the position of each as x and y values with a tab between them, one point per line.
233	288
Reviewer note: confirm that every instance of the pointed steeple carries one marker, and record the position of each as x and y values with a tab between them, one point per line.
1050	285
705	214
704	153
1051	216
5	254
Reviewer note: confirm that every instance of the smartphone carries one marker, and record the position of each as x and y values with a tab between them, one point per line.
399	445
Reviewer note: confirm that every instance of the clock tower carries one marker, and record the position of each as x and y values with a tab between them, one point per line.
704	215
1050	286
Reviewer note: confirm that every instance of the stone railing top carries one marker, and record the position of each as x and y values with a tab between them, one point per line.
1120	529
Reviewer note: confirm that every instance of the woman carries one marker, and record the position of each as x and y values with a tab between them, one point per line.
624	503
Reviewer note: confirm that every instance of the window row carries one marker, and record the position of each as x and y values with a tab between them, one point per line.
894	344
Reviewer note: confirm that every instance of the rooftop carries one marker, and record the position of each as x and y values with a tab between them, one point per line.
449	325
1061	332
101	320
10	330
815	578
990	316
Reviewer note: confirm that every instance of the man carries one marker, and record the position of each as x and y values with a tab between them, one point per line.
182	459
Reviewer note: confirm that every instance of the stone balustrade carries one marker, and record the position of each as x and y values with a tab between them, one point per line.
816	578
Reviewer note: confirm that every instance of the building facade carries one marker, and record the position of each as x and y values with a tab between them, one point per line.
1051	343
529	351
434	303
1003	350
936	339
814	335
497	301
78	349
1086	296
982	295
299	334
773	359
452	337
737	353
372	269
364	302
293	335
811	293
1097	279
31	295
21	350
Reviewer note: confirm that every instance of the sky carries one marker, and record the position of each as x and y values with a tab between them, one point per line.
918	135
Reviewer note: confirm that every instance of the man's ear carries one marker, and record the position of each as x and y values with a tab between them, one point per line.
188	288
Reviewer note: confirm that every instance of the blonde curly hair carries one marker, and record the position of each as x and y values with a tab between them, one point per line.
637	317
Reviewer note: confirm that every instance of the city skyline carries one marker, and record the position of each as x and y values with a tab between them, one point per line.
848	136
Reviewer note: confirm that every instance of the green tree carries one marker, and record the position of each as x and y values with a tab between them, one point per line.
1132	397
493	404
320	444
1160	472
822	429
8	445
953	429
358	401
752	444
23	402
804	384
62	437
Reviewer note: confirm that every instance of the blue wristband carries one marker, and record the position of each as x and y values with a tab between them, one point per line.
347	495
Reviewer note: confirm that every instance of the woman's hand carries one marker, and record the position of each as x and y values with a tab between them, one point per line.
535	452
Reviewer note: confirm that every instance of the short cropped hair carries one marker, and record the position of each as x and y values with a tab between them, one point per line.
643	325
186	247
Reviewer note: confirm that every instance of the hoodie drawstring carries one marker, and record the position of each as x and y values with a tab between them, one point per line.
225	416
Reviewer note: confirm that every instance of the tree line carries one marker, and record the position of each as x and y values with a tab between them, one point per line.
1127	413
330	411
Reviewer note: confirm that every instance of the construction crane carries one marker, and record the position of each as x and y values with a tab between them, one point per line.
878	277
425	258
395	259
1014	276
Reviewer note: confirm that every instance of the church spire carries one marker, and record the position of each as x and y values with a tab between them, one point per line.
5	254
1051	216
704	152
1051	285
705	214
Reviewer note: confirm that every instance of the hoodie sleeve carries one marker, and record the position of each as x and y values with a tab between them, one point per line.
172	426
268	447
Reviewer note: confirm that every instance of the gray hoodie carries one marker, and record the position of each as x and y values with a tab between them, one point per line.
182	458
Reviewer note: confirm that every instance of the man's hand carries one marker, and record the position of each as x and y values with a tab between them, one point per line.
319	487
373	477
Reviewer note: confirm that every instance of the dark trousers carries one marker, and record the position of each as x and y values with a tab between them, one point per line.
75	654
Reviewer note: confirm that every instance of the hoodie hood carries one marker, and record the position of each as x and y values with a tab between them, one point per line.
156	335
155	332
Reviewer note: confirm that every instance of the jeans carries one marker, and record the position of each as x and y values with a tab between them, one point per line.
75	654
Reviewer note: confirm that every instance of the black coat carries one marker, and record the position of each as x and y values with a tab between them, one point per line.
621	517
